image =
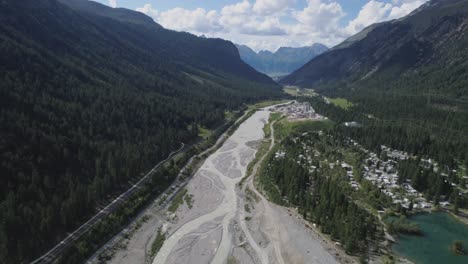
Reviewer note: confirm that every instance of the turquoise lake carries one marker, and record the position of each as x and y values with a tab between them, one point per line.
440	230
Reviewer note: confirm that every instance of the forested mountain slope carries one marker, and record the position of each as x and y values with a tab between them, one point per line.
282	62
404	84
406	80
425	52
177	47
91	96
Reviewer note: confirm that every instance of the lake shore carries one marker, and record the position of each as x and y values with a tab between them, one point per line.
440	230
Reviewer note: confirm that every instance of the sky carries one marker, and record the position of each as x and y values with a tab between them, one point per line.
271	24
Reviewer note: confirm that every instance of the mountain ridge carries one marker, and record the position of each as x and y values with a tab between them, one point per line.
428	42
166	39
281	62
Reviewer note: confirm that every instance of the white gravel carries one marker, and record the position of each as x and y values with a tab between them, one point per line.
223	168
215	229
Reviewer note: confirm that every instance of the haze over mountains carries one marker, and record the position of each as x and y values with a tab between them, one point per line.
282	62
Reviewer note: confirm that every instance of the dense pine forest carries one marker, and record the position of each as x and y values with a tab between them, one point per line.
321	168
297	174
421	54
401	85
406	80
91	97
413	124
401	124
406	85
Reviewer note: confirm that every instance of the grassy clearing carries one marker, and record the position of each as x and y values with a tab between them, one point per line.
264	146
341	103
157	243
204	133
267	128
232	260
261	151
228	115
264	184
294	91
189	200
283	128
308	92
177	201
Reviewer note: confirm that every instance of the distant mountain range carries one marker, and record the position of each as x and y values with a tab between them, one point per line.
426	51
282	62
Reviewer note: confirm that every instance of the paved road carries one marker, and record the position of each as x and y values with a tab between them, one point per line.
56	251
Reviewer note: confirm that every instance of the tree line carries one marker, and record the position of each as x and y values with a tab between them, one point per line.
322	194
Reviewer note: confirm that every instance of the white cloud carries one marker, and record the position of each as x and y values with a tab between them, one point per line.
240	8
270	26
268	7
236	15
405	8
261	23
371	13
198	20
242	18
148	10
320	18
375	11
113	3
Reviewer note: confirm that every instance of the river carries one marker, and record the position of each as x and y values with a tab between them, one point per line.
205	232
215	228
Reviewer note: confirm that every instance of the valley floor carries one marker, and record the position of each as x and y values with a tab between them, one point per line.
222	221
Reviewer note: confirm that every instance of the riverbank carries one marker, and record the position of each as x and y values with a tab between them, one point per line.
205	232
279	234
214	227
211	222
134	242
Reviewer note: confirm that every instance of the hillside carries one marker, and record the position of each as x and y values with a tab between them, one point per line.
405	82
425	52
212	55
91	97
282	62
